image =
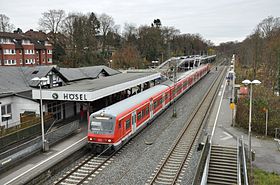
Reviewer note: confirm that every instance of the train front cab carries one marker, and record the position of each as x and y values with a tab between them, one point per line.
101	132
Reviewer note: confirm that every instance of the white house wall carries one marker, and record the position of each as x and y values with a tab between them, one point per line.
19	105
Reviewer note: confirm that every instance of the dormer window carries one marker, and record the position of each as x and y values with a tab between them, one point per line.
25	41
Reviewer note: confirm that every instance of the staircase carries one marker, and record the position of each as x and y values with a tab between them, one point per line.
223	165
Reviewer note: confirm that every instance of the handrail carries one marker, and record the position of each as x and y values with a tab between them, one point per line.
238	162
245	176
206	168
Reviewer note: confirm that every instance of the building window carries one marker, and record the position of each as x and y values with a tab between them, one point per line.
25	41
56	109
20	61
49	51
43	60
7	111
20	51
49	60
28	61
5	41
43	51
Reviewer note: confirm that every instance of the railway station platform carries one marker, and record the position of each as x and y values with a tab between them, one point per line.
267	155
39	162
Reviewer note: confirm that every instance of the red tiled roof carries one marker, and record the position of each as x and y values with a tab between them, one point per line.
243	91
37	35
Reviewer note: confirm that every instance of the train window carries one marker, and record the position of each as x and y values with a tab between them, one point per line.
139	116
127	124
147	110
120	124
166	97
160	101
155	104
143	113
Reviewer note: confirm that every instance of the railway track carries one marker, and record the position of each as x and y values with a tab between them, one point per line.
86	170
177	158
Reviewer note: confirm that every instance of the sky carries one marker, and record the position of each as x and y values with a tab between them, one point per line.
216	20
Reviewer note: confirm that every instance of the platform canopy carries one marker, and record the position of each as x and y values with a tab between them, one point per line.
90	90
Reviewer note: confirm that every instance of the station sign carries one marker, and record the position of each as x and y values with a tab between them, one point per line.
63	95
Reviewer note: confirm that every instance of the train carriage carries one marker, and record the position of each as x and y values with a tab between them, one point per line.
116	124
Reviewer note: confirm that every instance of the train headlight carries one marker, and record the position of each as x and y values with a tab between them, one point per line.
109	140
90	139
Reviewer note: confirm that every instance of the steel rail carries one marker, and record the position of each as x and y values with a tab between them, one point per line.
185	130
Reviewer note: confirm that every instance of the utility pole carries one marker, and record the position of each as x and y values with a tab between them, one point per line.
174	80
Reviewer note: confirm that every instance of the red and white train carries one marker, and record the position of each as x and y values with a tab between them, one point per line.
117	123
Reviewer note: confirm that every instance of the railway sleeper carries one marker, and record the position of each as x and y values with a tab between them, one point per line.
167	176
76	177
176	159
83	171
171	170
87	168
66	183
163	180
79	174
75	181
171	164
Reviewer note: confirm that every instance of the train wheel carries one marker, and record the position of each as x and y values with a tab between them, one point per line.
99	149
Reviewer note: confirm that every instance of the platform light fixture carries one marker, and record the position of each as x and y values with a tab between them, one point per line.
251	83
41	80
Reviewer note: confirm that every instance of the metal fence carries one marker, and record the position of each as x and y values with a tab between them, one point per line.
14	155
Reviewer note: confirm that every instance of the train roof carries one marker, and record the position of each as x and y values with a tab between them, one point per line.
128	103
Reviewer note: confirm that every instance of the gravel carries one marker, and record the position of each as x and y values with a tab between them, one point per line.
137	160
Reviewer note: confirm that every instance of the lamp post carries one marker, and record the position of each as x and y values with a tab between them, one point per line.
232	97
251	83
174	90
42	79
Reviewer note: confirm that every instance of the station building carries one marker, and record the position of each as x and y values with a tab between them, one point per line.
66	92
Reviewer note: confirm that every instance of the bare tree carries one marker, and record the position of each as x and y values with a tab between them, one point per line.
51	20
106	25
5	25
269	24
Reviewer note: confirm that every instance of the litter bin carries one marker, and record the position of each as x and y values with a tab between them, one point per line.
253	153
47	146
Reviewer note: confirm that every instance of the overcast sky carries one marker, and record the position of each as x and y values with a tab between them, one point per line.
216	20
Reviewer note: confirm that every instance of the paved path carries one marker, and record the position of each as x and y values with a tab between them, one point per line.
267	154
42	161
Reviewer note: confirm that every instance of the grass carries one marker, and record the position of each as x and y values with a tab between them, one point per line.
265	178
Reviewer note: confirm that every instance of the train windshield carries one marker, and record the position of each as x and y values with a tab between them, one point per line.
101	126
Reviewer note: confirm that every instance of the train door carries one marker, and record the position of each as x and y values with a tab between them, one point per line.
133	122
163	99
151	108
